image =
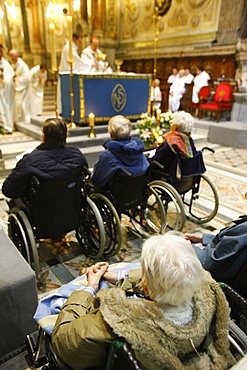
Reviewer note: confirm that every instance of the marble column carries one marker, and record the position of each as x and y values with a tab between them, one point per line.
97	11
6	26
25	26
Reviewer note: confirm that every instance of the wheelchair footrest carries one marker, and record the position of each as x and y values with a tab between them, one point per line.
32	348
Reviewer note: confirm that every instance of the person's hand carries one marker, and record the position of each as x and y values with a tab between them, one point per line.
111	276
194	238
95	273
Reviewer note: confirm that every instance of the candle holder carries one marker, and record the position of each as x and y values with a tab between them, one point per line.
55	73
91	124
72	108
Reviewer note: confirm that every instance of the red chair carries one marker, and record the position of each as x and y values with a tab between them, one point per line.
203	97
223	100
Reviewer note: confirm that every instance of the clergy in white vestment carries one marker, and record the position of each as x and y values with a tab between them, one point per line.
38	77
78	66
177	89
156	96
6	92
90	56
188	76
21	84
173	76
201	79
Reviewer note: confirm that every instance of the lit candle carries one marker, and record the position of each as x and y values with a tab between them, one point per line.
53	47
91	119
70	36
158	113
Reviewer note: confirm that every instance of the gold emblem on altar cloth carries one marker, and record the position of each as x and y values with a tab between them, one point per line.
118	98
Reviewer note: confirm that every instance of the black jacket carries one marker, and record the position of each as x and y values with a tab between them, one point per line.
46	162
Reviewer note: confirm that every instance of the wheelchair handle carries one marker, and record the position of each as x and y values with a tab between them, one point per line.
126	172
157	164
209	149
35	181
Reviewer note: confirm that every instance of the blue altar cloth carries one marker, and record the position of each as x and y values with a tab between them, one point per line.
105	96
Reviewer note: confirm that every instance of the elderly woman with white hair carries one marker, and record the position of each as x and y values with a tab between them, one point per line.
122	151
171	312
179	147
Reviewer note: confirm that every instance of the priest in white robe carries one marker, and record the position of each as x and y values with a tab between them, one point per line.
21	84
79	65
6	92
177	89
38	77
91	56
201	79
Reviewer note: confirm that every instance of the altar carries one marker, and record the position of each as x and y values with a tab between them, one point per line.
105	95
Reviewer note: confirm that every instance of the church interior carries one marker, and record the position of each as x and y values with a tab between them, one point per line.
140	41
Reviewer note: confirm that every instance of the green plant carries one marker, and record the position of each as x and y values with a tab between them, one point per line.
146	128
166	119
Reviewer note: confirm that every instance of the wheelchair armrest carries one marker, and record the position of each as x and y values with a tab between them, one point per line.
35	182
209	149
156	164
126	172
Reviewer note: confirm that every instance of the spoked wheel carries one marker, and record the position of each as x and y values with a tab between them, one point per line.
172	203
151	217
21	233
91	234
112	224
201	205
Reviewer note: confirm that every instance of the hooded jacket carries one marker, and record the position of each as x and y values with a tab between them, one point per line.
86	324
46	162
127	153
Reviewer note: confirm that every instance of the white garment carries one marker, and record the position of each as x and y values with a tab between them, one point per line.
89	57
156	97
37	83
189	78
181	315
6	94
78	66
22	84
172	78
177	89
199	81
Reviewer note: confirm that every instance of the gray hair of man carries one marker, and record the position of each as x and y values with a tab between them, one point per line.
183	122
172	269
119	127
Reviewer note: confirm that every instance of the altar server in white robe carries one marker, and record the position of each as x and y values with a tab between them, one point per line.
6	92
201	79
177	89
38	77
156	96
22	85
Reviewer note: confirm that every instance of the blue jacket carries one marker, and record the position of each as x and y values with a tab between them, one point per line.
127	153
46	162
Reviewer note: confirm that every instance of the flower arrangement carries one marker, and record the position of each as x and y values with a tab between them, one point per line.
151	130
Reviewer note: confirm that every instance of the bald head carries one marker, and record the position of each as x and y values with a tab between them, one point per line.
13	54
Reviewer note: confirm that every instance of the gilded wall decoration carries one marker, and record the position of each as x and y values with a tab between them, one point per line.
163	6
178	19
110	16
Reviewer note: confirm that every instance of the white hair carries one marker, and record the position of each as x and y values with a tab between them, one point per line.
119	127
171	267
183	121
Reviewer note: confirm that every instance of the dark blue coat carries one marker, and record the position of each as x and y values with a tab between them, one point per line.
127	153
46	162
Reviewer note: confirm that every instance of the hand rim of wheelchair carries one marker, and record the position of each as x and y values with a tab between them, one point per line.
110	218
30	246
145	229
84	230
169	190
187	206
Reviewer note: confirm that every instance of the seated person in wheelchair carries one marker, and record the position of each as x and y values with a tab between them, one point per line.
50	160
178	147
122	151
224	255
171	312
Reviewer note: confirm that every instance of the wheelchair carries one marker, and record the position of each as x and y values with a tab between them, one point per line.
120	356
136	198
197	192
53	208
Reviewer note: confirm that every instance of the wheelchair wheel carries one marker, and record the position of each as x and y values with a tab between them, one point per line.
91	234
112	224
172	203
149	218
201	203
21	233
